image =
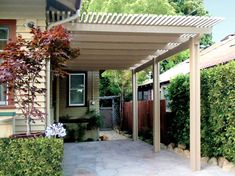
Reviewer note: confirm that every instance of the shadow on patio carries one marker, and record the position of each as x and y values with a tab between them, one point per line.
127	158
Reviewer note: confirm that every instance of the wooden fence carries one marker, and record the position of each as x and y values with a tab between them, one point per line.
145	117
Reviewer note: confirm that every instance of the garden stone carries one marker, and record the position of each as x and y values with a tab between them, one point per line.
228	166
213	161
182	146
163	146
179	151
221	161
171	146
186	153
205	159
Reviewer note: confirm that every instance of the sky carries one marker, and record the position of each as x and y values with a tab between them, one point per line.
225	9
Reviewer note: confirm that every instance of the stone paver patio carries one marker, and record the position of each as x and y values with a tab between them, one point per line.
127	158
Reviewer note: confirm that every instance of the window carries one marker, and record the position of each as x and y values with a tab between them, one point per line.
140	95
77	89
4	36
3	95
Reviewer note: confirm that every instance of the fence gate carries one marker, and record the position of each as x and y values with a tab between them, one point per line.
109	110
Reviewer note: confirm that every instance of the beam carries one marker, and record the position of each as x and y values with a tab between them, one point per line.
127	38
195	142
82	27
156	106
165	55
122	46
104	62
107	57
118	52
100	65
135	105
96	68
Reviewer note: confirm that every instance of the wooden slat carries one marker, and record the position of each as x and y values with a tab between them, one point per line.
136	46
106	58
126	38
166	55
115	52
81	27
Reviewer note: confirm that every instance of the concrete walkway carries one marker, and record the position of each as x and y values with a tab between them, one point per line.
127	158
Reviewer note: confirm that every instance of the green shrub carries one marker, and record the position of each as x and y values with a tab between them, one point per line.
179	96
27	157
75	132
217	110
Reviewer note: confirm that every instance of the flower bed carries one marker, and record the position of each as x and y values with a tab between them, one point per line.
31	156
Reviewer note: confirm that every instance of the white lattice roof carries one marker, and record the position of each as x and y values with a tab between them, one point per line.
148	20
124	41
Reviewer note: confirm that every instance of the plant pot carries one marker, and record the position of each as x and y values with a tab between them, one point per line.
24	135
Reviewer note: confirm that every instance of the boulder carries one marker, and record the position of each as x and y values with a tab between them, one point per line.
213	161
221	161
182	146
228	166
179	151
186	153
205	160
163	146
171	146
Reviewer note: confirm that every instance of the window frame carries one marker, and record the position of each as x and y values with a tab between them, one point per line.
8	34
11	26
4	103
84	104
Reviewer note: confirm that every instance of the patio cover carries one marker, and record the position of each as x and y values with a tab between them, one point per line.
122	42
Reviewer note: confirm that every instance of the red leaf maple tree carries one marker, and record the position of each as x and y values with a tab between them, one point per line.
23	63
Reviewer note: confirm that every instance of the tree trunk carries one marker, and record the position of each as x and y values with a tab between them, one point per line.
28	123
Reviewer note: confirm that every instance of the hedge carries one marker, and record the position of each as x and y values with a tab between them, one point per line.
31	156
217	110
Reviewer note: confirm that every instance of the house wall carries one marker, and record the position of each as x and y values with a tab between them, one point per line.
92	94
23	11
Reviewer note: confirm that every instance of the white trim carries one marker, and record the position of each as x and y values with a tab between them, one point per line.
69	89
5	103
48	93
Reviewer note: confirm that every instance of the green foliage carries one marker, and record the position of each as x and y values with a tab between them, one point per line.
174	60
117	83
75	132
178	92
217	110
189	7
146	134
132	6
37	157
96	120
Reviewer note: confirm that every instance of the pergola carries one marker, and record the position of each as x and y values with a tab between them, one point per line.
134	42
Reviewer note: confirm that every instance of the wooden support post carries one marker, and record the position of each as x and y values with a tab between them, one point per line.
57	99
48	92
135	105
156	106
195	141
